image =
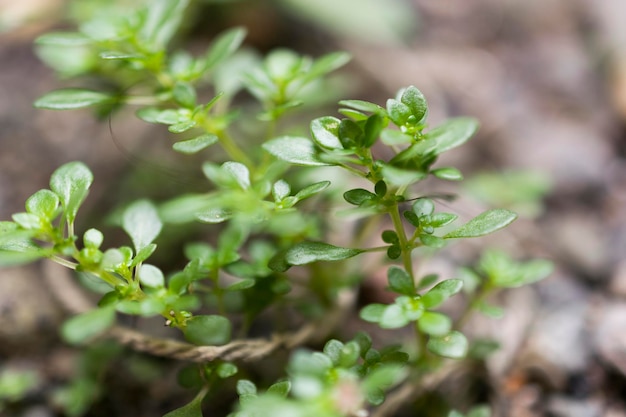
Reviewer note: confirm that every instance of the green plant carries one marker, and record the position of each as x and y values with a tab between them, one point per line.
15	385
263	201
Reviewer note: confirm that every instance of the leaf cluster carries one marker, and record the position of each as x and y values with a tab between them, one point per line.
265	206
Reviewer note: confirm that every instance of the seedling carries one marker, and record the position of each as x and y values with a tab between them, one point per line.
272	251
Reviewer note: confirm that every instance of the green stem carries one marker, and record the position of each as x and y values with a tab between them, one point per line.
234	151
354	170
64	262
482	293
404	243
377	249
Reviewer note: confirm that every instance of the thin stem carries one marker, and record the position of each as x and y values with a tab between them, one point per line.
377	249
234	151
477	299
353	170
64	262
405	247
70	229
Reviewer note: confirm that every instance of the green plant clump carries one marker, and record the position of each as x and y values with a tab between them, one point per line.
268	246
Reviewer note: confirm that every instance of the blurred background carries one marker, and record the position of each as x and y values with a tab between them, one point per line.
546	79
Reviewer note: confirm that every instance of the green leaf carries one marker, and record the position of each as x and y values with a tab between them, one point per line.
393	137
364	106
93	238
432	241
239	172
280	190
398	112
281	388
383	377
372	312
71	98
400	281
192	409
16	247
312	189
143	254
226	370
14	258
480	411
350	134
393	317
370	21
71	183
349	354
182	126
210	330
390	236
332	349
191	146
307	252
453	345
141	221
88	325
27	221
416	102
44	203
214	215
184	94
434	324
325	132
426	281
448	173
64	39
154	115
452	133
394	251
224	46
371	131
441	292
400	177
241	285
245	387
294	149
483	224
118	55
423	207
151	276
162	20
504	272
359	196
441	219
380	188
326	64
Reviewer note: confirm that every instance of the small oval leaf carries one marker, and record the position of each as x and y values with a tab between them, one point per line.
208	330
71	98
191	146
71	183
88	325
307	252
151	276
142	223
325	132
453	345
483	224
296	150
